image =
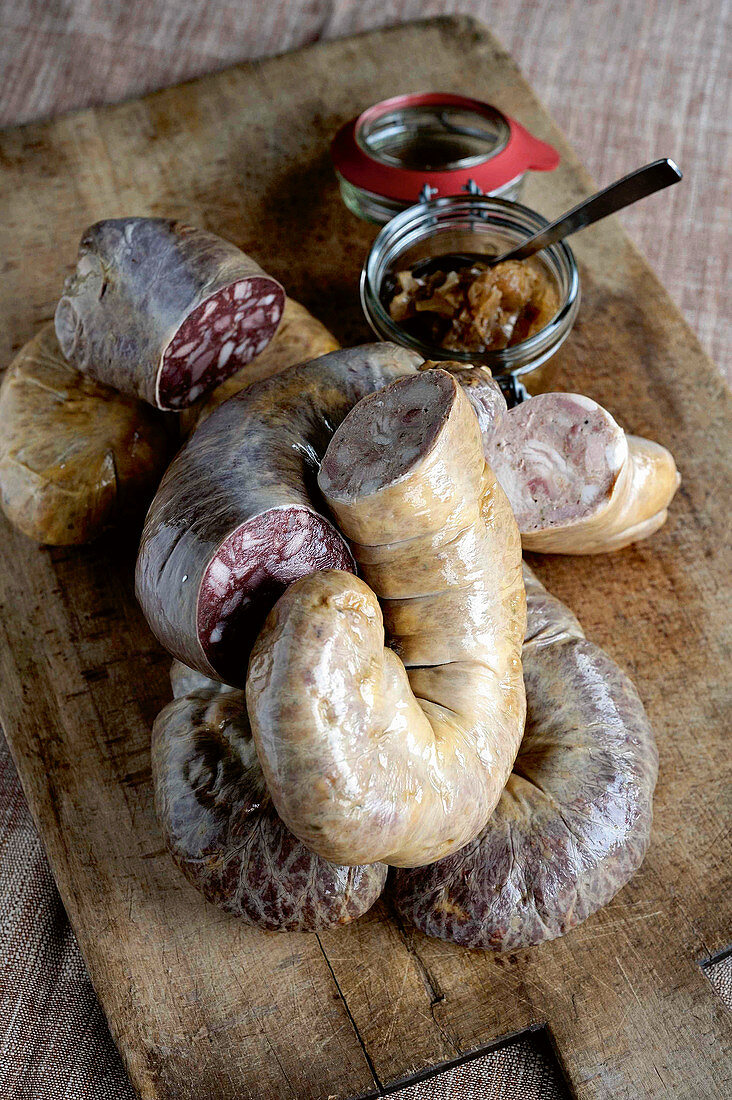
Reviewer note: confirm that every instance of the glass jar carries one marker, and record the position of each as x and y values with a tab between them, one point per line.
415	147
379	209
458	224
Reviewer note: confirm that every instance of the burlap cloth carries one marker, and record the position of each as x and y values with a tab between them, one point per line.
628	81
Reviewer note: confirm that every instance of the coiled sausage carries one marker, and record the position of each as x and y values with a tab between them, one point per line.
238	515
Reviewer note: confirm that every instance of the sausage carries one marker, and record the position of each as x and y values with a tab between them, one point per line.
76	457
238	515
185	680
367	760
484	393
577	483
573	824
164	311
224	834
299	338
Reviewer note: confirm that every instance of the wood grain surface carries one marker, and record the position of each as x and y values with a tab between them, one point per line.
197	1003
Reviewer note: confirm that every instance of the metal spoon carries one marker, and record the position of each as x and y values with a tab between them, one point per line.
644	181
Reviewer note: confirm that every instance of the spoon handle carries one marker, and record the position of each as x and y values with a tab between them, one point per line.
644	181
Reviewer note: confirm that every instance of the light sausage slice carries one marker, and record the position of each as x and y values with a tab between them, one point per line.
76	457
164	311
224	834
577	483
573	823
365	760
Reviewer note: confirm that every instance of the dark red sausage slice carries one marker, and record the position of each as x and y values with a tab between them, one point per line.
217	339
251	570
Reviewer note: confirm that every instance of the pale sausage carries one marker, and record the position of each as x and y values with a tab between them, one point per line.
577	483
365	759
76	457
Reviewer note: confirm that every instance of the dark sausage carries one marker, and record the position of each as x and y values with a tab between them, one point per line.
238	515
300	338
224	834
164	311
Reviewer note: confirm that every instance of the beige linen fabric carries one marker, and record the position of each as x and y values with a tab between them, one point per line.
628	81
522	1070
54	1040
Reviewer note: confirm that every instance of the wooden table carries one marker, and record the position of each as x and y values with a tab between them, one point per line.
196	1001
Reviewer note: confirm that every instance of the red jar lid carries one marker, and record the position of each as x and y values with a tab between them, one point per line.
397	146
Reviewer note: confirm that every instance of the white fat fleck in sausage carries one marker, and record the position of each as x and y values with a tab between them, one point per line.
577	483
367	759
573	823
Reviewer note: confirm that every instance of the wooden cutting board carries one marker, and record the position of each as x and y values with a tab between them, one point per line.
198	1004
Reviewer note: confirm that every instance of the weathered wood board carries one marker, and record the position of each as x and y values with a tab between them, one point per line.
197	1003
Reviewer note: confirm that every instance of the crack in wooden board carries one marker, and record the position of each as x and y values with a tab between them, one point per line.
192	997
